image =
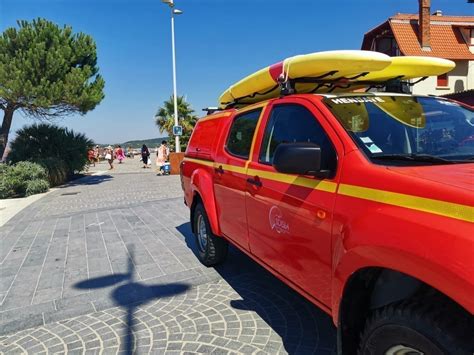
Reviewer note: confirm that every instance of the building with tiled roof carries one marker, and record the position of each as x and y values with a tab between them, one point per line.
435	35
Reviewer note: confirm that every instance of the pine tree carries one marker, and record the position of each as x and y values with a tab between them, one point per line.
46	71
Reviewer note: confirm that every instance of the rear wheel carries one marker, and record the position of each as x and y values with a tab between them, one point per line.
212	249
410	328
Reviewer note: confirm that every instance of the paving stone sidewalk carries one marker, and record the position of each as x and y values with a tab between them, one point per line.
109	263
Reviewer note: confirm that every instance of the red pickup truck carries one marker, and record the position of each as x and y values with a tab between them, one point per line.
362	203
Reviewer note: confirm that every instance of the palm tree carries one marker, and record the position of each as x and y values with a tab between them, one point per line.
164	118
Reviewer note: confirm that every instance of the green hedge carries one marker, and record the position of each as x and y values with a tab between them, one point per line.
61	151
22	179
34	187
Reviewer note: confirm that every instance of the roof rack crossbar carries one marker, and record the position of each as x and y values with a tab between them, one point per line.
418	81
211	110
289	86
319	86
313	79
370	87
238	100
336	85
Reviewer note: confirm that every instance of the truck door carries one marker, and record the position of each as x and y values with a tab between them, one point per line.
289	216
230	176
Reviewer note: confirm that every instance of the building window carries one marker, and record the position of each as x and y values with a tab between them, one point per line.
442	80
387	45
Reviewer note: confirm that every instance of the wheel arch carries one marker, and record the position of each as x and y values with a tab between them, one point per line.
202	187
370	288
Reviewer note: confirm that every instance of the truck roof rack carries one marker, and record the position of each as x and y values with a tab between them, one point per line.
211	109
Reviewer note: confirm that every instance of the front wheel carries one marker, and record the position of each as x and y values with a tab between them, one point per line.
212	249
410	328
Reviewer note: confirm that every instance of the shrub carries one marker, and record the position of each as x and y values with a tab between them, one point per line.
15	179
3	169
26	170
7	189
36	187
57	170
60	150
20	174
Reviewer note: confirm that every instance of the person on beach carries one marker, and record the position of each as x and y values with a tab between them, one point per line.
130	152
96	154
162	154
109	156
91	156
145	155
120	154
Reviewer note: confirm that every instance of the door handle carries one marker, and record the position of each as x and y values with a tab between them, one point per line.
255	181
219	170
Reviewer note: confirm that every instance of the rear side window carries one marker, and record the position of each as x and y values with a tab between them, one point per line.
295	124
241	134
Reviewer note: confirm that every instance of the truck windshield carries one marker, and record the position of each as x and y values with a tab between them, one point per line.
407	129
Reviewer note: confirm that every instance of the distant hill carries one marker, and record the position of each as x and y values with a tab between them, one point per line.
152	142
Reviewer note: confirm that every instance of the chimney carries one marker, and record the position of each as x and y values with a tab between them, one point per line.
424	24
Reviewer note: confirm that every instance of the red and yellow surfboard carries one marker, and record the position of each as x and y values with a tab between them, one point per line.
333	65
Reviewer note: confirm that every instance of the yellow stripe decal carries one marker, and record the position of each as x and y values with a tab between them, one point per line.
295	180
200	161
442	208
232	168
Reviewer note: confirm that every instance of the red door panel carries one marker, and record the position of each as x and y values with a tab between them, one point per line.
290	217
230	176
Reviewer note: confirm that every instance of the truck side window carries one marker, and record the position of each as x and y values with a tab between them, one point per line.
241	134
291	123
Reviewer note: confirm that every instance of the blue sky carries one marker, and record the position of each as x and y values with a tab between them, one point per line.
217	42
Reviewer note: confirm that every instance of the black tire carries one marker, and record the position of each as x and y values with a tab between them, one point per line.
214	251
429	328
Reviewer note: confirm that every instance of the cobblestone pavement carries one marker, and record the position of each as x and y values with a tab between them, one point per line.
108	263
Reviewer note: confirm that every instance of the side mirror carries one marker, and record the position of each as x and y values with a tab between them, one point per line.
299	158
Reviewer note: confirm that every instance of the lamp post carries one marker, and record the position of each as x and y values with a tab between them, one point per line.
175	97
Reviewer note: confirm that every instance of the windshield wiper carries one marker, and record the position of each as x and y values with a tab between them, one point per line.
425	158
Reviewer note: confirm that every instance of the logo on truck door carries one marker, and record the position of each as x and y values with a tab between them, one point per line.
277	223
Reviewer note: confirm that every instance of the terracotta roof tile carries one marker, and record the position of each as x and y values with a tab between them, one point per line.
446	40
435	18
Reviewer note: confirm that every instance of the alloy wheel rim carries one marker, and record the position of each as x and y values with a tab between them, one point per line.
403	350
202	233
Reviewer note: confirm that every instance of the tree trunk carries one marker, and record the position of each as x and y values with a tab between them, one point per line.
7	123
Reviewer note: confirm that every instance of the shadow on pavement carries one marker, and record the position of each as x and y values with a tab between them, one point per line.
130	295
303	328
87	180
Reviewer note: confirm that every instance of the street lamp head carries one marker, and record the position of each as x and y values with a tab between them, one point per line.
177	12
169	2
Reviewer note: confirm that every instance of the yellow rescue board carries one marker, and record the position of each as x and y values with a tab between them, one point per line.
403	68
333	65
343	63
411	67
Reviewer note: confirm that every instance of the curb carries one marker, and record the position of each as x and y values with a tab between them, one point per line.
11	206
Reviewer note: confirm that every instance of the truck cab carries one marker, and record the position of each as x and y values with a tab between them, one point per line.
361	202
